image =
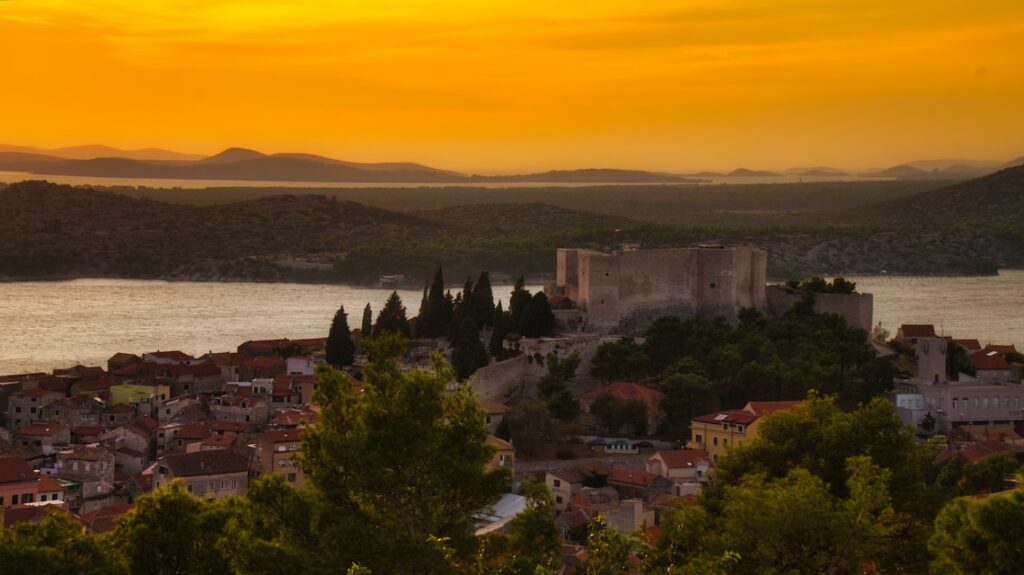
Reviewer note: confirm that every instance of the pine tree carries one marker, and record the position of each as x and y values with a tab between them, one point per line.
517	304
340	349
468	352
482	301
498	332
538	320
392	317
367	328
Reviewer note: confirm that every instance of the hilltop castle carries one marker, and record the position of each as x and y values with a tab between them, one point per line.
631	288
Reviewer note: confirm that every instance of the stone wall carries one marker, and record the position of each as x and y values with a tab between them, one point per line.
856	308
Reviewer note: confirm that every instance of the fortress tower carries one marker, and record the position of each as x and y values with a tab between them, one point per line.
632	288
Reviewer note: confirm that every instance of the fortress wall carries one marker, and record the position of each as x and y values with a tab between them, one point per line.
599	275
856	308
502	381
716	288
655	278
567	272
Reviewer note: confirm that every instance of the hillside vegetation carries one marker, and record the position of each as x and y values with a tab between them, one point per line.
50	230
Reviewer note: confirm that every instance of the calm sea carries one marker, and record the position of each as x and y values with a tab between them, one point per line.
57	324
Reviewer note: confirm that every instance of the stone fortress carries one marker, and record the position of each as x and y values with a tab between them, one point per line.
627	290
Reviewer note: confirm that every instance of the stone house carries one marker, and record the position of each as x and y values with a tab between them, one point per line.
217	473
563	484
252	410
275	453
44	435
91	471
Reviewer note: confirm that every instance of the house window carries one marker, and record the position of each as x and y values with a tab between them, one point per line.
1	500
189	486
488	419
210	486
234	483
716	441
42	497
223	484
558	483
32	410
984	403
291	478
700	438
14	499
739	428
558	499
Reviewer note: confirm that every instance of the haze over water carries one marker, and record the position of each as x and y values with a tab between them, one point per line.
58	324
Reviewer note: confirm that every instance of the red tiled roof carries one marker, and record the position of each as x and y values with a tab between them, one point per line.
1003	349
146	422
87	430
100	384
917	330
731	416
294	417
234	426
220	440
31	513
626	392
985	360
633	477
282	435
197	370
42	429
14	469
192	431
762	408
38	392
310	342
47	484
568	475
683	458
200	463
119	408
968	344
266	344
262	362
85	453
136	369
104	519
227	358
172	355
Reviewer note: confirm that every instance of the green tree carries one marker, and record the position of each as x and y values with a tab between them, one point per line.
468	352
170	532
553	388
608	551
530	427
367	325
517	304
538	319
392	318
687	395
621	360
482	301
501	320
980	537
340	349
399	466
54	546
988	474
433	320
957	361
533	541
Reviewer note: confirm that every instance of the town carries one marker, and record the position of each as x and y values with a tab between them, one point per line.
622	388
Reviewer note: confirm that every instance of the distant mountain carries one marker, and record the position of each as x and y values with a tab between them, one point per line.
945	163
1015	162
588	176
250	165
816	171
92	152
745	173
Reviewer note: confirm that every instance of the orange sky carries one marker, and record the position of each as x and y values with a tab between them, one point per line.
491	86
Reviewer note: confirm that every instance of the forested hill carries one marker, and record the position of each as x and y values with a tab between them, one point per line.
996	199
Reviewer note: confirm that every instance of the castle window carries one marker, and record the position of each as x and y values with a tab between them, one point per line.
712	285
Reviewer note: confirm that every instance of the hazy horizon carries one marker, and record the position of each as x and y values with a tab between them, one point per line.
489	87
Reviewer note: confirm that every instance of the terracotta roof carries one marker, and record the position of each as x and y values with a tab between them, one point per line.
30	513
42	429
85	453
632	477
917	330
104	518
122	357
172	355
234	426
262	362
200	463
1003	349
282	435
119	408
14	469
146	422
763	408
971	345
38	392
85	430
192	431
626	391
220	440
197	370
310	342
738	416
47	484
293	417
100	384
227	358
136	369
267	344
683	458
499	443
572	519
985	360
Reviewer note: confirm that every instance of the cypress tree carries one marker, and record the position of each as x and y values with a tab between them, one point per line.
422	319
392	317
468	352
340	349
498	333
367	327
538	320
482	302
433	322
449	312
517	304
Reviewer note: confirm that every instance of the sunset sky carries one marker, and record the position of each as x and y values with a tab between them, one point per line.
501	86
